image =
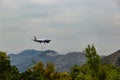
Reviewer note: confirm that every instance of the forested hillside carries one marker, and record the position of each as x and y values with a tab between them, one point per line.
93	69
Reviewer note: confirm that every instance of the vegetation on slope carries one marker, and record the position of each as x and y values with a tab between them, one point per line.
93	69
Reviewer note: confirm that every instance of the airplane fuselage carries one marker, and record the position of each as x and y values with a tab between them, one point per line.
41	41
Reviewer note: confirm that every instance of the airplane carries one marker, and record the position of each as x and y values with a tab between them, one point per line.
41	41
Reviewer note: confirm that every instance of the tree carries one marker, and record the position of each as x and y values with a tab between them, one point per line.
75	71
49	71
7	72
34	73
93	60
39	67
3	56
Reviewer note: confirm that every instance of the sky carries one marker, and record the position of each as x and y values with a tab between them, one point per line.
70	24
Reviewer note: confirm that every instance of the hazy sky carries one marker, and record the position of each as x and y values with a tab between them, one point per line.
70	24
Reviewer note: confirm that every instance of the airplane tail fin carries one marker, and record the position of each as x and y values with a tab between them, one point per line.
35	38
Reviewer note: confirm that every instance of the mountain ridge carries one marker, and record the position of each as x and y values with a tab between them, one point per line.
63	62
113	58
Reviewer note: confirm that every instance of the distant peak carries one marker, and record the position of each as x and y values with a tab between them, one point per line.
37	52
29	50
50	52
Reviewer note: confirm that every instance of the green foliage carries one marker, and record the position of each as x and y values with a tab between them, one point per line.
3	56
39	72
92	70
50	68
49	71
75	71
7	72
80	73
38	67
93	60
102	74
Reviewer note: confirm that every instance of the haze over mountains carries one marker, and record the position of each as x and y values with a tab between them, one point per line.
63	62
28	58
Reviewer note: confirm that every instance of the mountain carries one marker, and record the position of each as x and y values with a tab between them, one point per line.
29	58
65	62
113	58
